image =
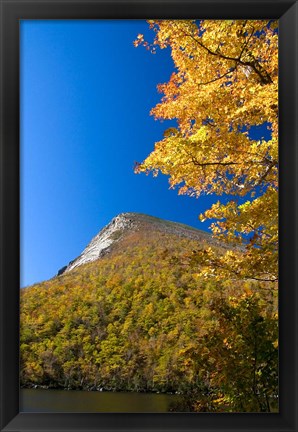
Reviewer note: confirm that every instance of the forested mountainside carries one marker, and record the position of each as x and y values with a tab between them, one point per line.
137	317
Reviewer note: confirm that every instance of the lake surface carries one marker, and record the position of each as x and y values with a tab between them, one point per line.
43	400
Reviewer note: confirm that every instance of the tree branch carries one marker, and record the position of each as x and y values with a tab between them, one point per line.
218	78
254	64
203	164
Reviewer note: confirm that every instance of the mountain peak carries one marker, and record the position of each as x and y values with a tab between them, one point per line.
125	223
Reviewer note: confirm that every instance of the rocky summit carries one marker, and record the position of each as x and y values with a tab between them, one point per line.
124	224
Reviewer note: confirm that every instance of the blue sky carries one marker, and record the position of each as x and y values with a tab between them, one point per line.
86	94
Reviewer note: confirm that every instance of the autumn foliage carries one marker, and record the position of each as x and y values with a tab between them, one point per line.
170	314
142	321
225	85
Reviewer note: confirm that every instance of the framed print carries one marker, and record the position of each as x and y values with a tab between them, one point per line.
148	268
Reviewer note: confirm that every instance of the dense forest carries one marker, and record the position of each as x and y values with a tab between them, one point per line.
141	319
163	313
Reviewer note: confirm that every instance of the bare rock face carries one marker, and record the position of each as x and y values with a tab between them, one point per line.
125	223
101	243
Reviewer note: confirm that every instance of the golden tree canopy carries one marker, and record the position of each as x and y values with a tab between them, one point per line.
225	82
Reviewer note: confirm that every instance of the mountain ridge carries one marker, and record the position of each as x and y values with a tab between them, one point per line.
142	319
123	223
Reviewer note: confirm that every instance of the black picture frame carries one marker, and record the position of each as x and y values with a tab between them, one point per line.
11	12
